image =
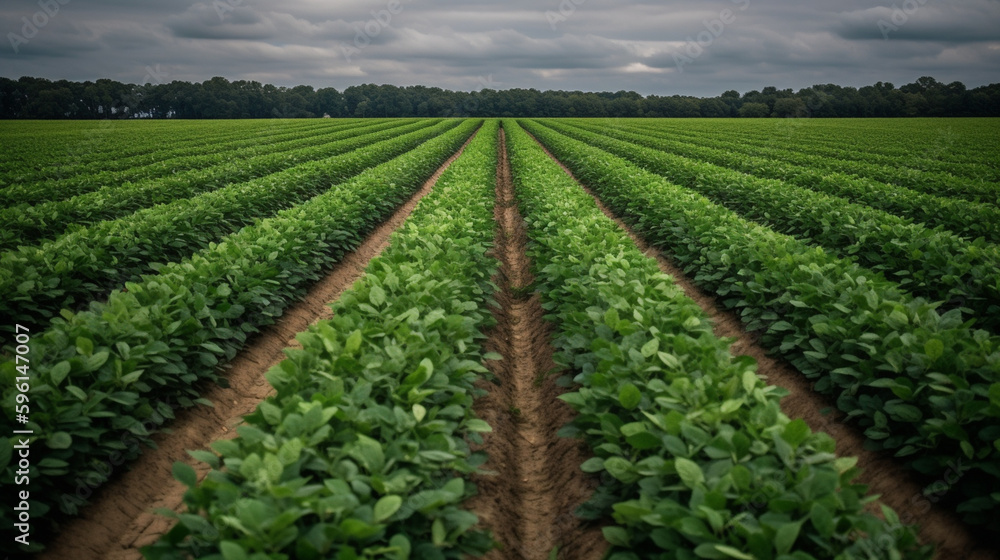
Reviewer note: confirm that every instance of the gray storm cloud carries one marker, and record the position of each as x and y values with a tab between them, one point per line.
695	47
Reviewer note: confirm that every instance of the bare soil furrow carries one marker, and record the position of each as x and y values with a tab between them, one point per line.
529	502
896	485
121	518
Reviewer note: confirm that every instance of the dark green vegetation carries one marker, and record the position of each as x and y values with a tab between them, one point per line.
218	98
145	255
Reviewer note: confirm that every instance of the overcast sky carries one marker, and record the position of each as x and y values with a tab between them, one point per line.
697	47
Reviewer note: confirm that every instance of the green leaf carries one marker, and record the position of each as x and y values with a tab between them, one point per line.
689	471
60	440
205	457
353	342
732	552
934	348
795	432
212	347
59	372
650	348
232	551
369	453
376	296
270	412
184	473
477	425
76	392
781	326
386	507
784	539
592	465
419	375
611	318
617	536
822	519
629	396
669	360
619	468
730	406
84	346
437	532
903	411
419	412
403	546
968	449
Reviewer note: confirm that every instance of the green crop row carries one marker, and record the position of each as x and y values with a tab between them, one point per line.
84	181
922	385
36	282
931	146
360	452
42	149
129	155
696	458
932	263
27	224
965	218
104	378
930	182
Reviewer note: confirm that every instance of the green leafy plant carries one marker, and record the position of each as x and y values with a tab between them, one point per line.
921	384
107	377
356	454
694	456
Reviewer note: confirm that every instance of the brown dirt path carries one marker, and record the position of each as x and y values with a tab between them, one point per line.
529	502
890	479
120	518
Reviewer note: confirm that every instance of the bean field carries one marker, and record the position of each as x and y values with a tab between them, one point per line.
772	339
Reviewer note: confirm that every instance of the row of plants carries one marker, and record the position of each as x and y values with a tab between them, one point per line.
36	282
111	147
695	458
930	182
932	263
41	147
27	223
165	164
942	145
921	384
968	219
104	379
362	450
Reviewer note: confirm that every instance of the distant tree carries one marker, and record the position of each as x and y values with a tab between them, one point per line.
754	110
789	107
715	108
217	97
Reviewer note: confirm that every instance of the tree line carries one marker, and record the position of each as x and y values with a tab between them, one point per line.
39	98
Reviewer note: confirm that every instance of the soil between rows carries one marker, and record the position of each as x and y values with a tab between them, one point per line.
120	518
890	479
529	503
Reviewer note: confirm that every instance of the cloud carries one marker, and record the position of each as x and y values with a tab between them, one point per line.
597	45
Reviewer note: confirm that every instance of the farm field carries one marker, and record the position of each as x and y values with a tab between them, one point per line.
507	338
